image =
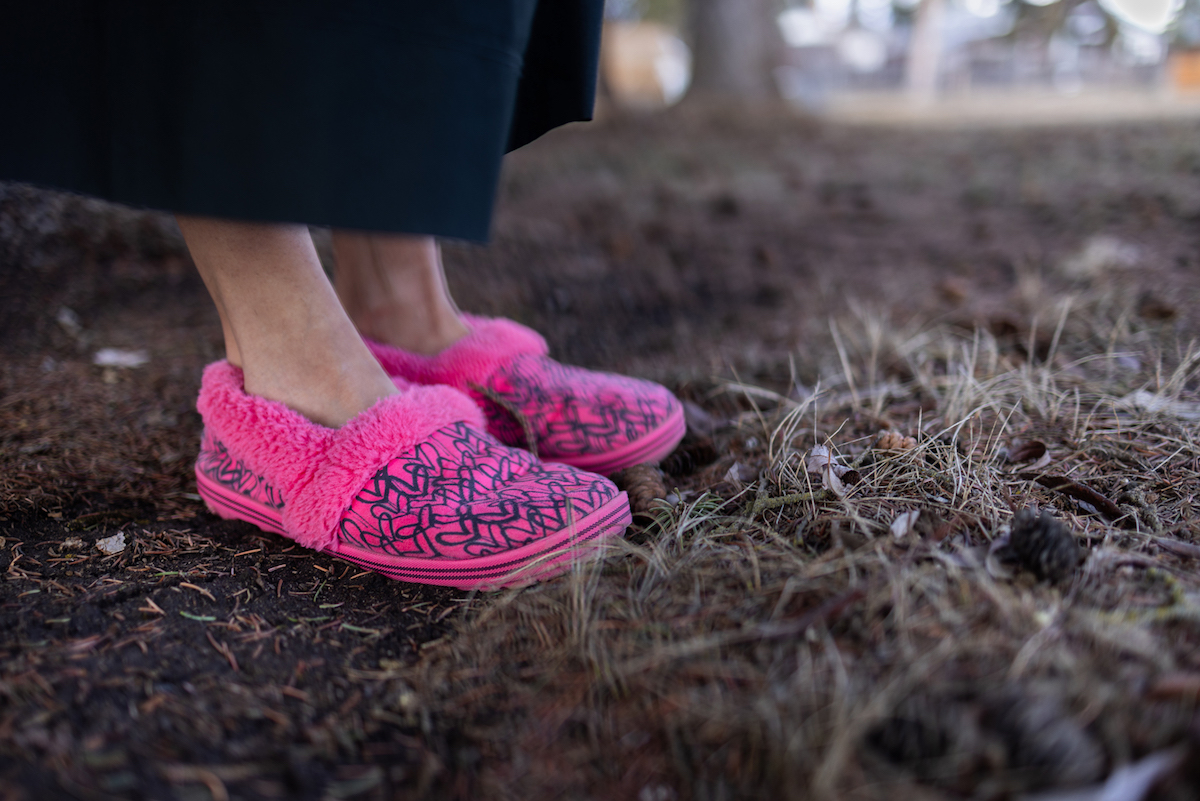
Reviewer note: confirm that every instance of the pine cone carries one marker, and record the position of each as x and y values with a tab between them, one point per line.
933	736
1044	545
1042	739
692	454
644	483
894	441
913	735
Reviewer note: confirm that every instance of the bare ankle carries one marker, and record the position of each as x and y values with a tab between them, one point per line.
427	338
394	290
329	397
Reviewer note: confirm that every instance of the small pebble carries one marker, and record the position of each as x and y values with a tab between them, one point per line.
115	357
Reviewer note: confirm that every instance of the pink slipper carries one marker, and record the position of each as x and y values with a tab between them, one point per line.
594	421
411	488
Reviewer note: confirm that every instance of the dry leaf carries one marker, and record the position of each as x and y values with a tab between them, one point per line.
1127	783
1099	255
1027	451
1155	307
822	461
818	458
821	458
831	482
69	321
1042	463
903	525
112	545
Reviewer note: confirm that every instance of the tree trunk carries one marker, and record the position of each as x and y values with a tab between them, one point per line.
736	45
924	67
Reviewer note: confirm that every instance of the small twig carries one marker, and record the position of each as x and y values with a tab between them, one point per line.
180	774
1184	549
763	504
152	608
198	589
867	456
1080	492
224	650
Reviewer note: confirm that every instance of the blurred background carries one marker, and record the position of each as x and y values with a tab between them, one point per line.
895	57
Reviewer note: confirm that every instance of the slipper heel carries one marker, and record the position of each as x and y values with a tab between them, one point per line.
226	502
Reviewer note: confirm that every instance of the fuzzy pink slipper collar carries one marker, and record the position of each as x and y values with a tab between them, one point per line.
320	470
491	343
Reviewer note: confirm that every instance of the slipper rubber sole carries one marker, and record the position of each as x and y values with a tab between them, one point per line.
535	561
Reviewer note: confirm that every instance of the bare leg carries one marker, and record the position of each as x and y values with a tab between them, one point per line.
282	321
394	289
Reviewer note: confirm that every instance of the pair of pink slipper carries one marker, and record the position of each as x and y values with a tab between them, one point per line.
441	484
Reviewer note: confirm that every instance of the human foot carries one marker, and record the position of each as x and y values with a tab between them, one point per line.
411	488
591	420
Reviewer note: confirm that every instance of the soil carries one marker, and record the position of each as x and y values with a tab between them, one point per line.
209	660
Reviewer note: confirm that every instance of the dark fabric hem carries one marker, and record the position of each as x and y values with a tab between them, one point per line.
292	110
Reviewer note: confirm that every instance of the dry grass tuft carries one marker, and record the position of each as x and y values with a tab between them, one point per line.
775	633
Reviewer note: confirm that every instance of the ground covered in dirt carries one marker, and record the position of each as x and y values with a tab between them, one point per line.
806	608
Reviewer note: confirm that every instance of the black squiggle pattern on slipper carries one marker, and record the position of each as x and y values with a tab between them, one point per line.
217	463
572	411
462	494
